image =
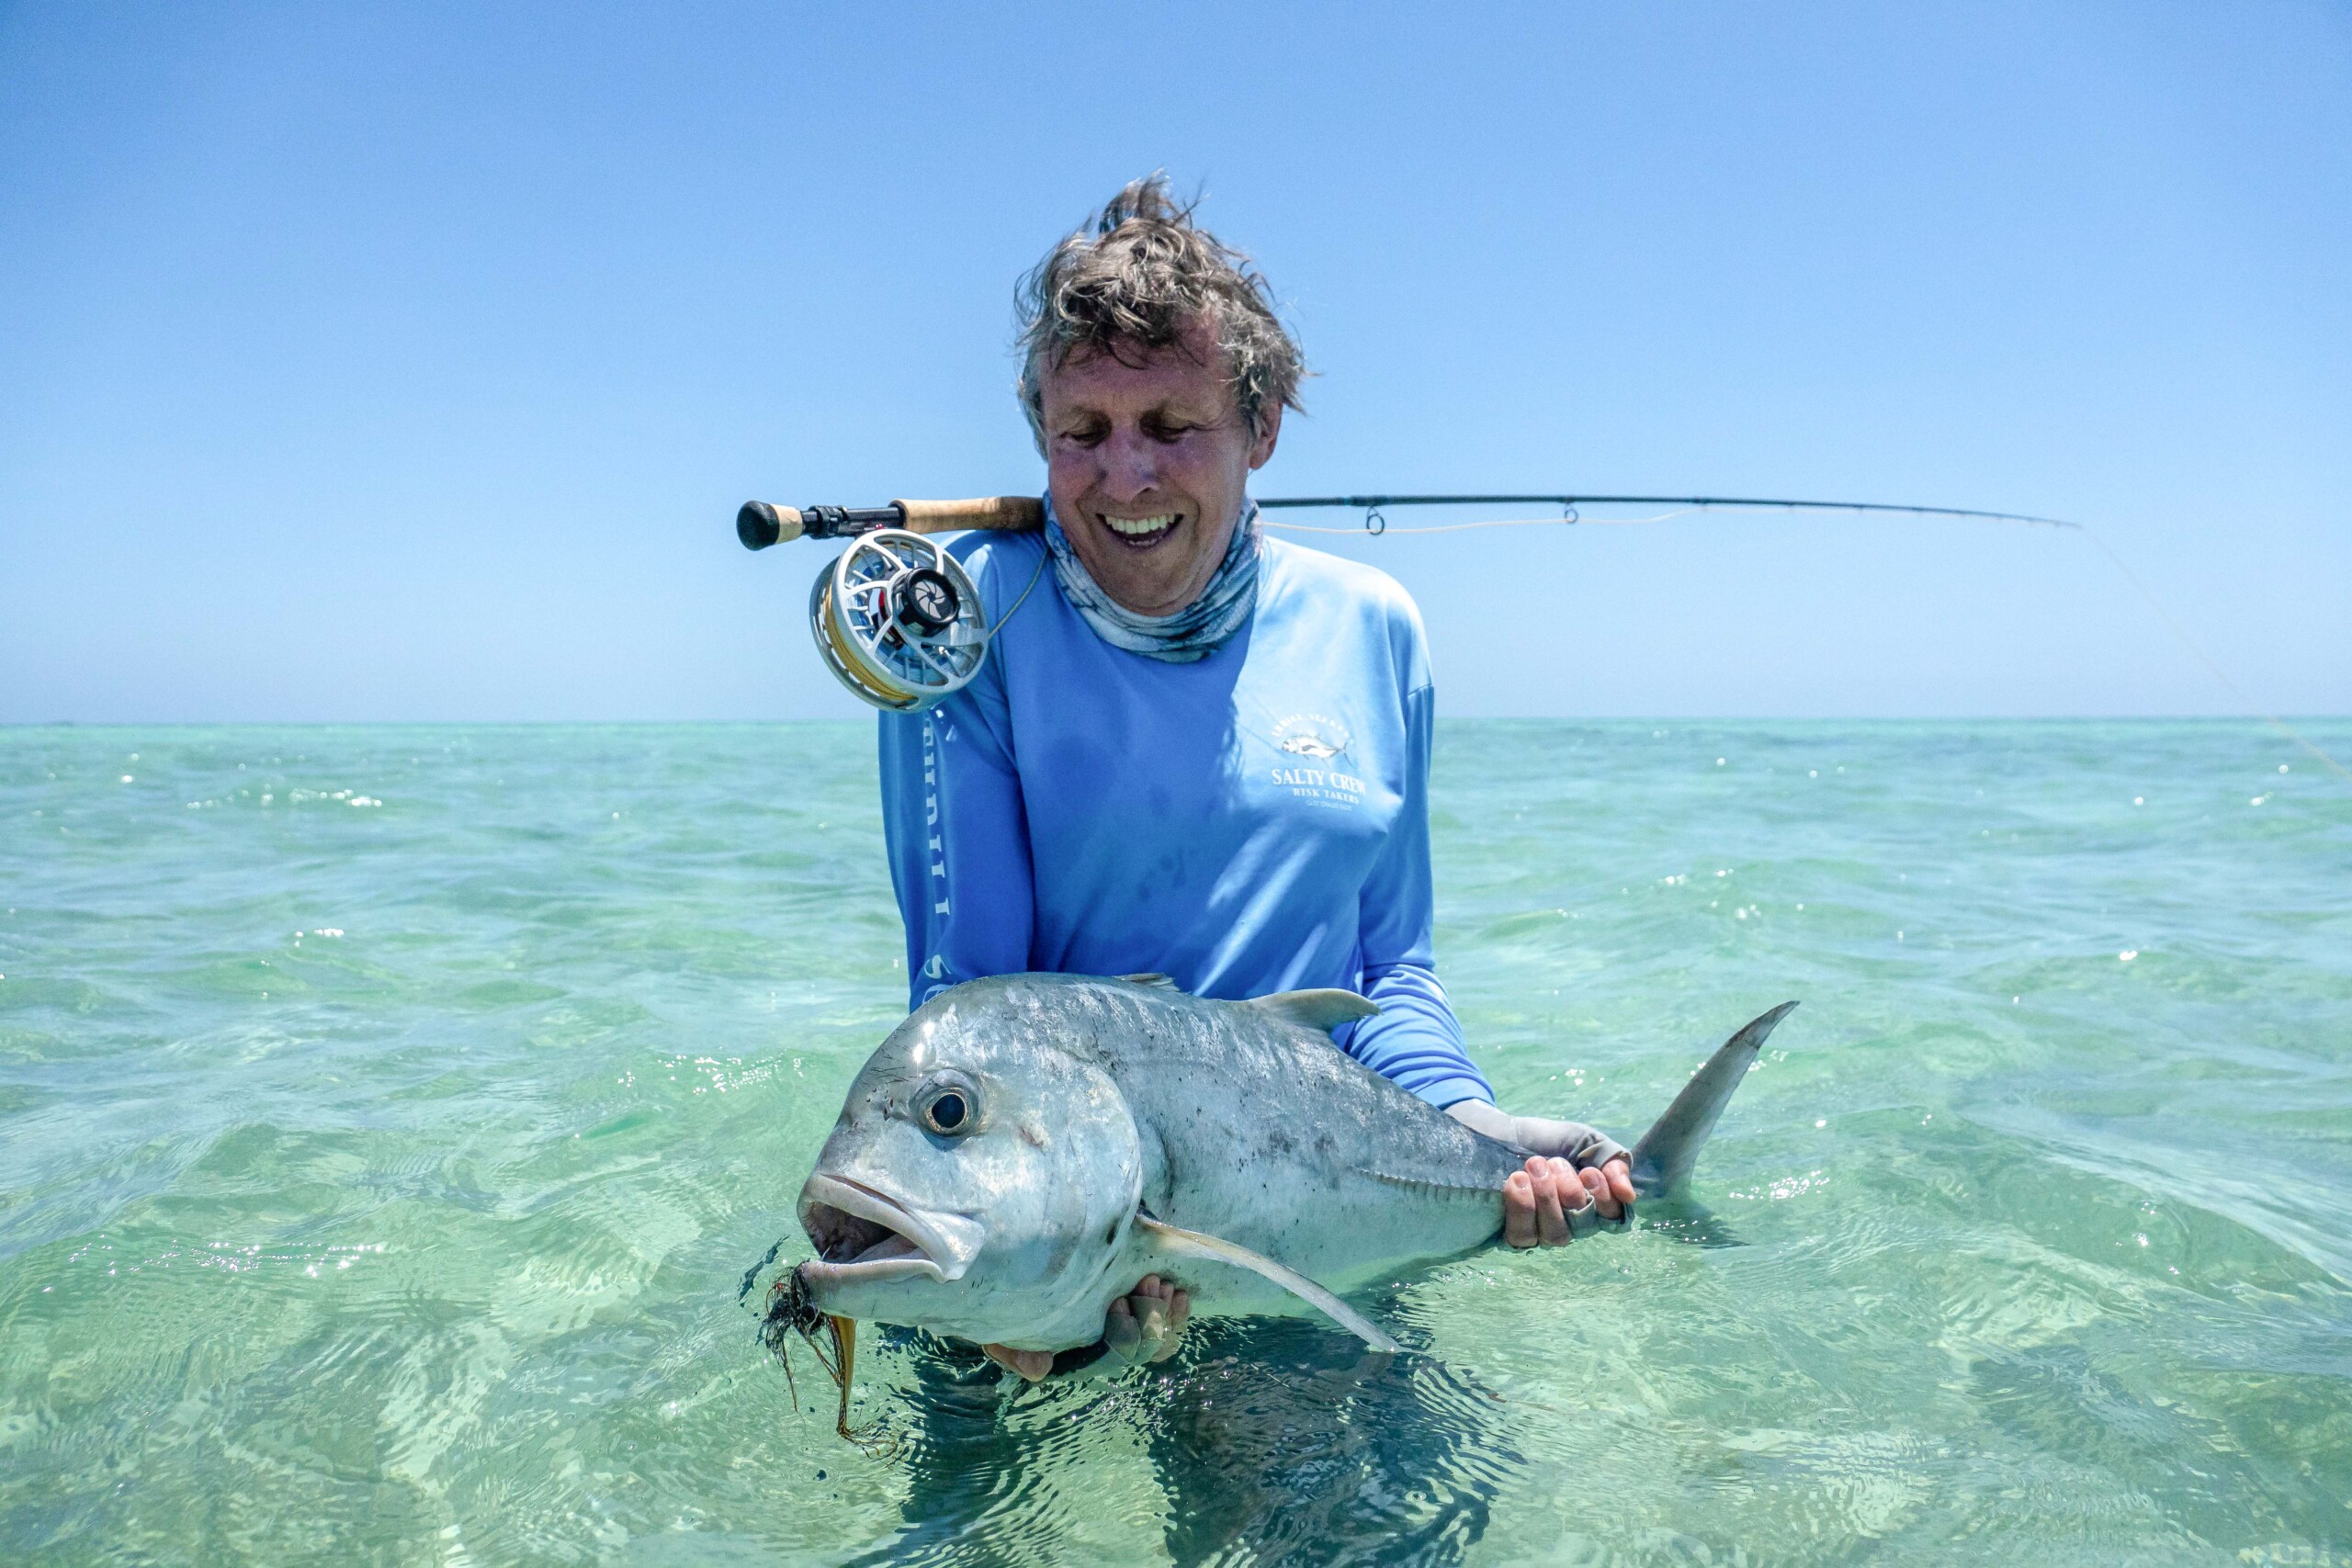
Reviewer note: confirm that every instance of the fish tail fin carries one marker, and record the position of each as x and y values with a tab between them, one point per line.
1662	1160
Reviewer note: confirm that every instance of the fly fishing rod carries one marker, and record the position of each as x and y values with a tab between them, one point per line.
760	524
899	622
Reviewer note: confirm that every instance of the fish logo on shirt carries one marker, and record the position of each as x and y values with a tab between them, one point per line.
1322	772
1314	735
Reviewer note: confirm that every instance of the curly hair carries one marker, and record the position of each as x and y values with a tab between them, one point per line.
1139	279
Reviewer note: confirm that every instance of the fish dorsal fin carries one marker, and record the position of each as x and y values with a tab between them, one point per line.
1662	1160
1325	1009
1157	982
1180	1241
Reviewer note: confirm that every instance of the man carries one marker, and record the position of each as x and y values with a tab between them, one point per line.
1192	750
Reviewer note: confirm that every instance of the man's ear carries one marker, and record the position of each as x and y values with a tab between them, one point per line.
1269	430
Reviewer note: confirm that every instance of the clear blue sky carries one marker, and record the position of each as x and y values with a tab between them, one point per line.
408	363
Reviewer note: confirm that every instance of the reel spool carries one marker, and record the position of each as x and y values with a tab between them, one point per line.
898	620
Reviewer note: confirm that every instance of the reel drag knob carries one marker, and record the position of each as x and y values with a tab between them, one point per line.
926	601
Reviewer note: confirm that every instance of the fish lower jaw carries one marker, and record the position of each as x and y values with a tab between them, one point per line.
892	1256
869	1269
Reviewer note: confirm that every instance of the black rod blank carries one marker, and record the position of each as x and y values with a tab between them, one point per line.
1374	503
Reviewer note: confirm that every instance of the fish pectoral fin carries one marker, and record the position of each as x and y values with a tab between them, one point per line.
1180	1241
1157	982
1324	1010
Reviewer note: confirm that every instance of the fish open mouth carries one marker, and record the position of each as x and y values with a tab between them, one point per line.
861	1234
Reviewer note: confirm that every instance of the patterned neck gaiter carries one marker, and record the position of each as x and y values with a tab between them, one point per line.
1191	634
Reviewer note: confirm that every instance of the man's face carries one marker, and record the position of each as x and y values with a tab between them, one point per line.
1147	458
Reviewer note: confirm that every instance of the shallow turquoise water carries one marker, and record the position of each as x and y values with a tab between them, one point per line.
388	1117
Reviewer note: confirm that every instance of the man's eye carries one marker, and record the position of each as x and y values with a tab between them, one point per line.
1166	434
1085	436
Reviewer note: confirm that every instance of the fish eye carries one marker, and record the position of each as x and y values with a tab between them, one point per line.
949	1107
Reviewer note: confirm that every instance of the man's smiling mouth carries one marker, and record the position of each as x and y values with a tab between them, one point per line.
1141	533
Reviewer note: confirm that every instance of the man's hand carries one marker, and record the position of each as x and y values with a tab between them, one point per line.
1143	1325
1147	1325
1032	1365
1539	1202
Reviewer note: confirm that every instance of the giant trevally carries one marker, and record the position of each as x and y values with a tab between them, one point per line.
1022	1149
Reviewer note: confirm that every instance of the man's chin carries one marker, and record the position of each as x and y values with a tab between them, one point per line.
1138	577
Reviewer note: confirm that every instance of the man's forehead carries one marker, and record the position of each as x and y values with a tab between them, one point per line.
1129	374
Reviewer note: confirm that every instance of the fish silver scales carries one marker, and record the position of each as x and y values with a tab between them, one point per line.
1258	1132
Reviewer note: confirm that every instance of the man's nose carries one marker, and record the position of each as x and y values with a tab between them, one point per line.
1130	464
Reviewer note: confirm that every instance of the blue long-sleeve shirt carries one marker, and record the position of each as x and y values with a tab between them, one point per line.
1254	822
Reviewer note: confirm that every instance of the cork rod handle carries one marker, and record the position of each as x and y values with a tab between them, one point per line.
1010	513
760	524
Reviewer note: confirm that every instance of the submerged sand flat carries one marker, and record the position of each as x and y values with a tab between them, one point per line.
388	1116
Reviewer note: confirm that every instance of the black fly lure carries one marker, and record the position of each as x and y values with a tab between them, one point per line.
833	1341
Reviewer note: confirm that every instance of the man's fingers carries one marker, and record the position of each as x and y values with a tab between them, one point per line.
1180	1312
1142	1325
1575	1198
1146	1324
1551	1220
1121	1332
1518	1210
1595	1185
1031	1365
1551	1201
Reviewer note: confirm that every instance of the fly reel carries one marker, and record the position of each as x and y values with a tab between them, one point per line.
898	620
